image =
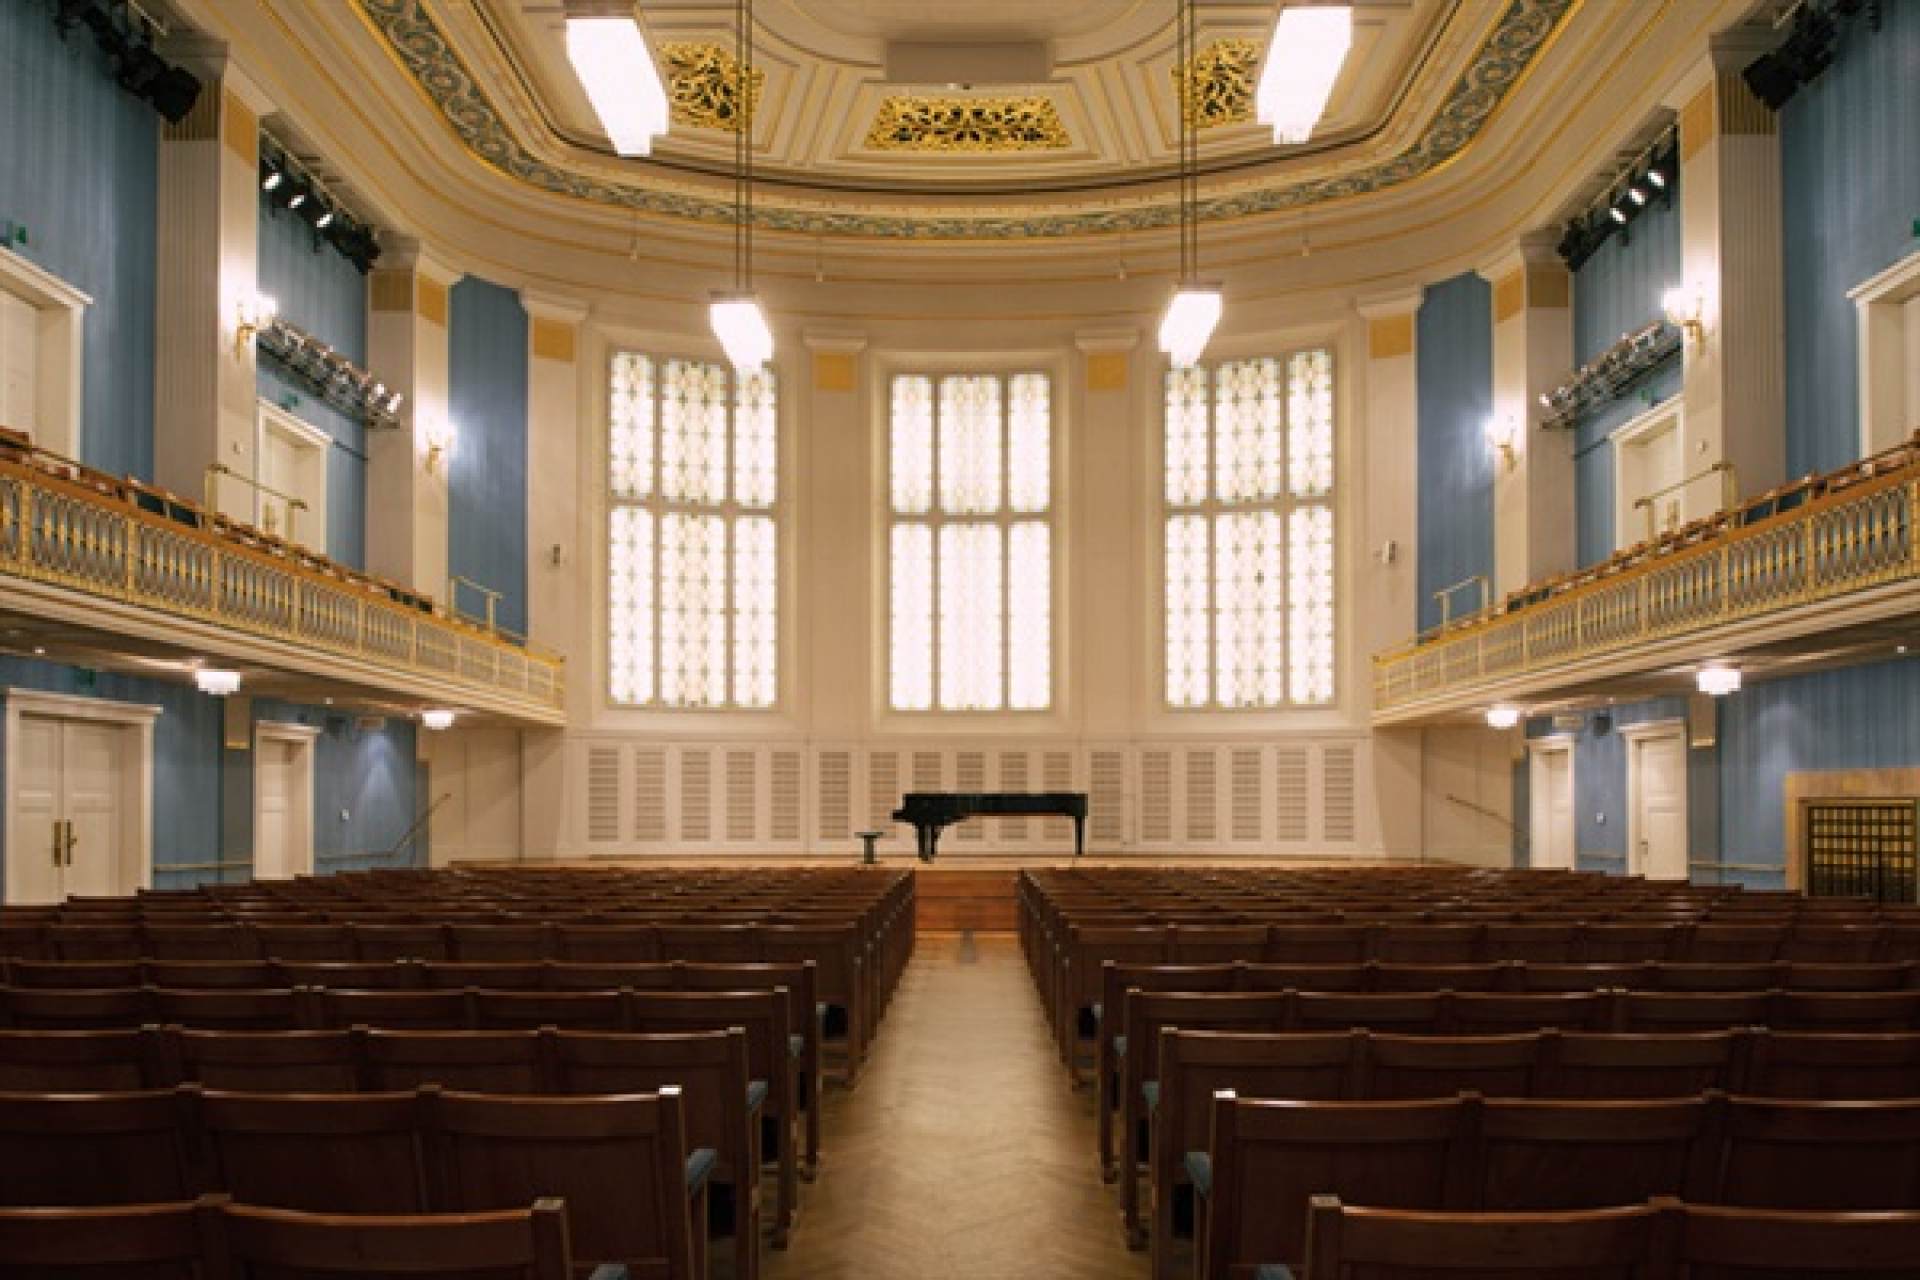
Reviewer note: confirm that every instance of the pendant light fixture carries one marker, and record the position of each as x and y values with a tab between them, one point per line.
1194	309
736	317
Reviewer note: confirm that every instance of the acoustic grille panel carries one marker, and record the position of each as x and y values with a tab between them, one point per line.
1290	794
836	797
970	774
1338	789
1013	777
1107	798
1245	795
1203	796
1156	796
603	795
696	796
650	794
784	817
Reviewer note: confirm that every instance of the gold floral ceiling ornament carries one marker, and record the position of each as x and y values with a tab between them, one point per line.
967	124
703	82
1218	82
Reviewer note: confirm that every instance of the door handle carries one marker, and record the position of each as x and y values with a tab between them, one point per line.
57	843
72	840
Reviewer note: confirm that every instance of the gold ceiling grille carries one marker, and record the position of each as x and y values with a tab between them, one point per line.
704	84
1219	82
967	124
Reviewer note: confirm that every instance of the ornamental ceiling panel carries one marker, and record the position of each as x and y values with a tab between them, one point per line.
841	149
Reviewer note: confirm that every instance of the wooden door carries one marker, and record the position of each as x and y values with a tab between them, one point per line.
34	874
19	363
274	825
91	799
1663	808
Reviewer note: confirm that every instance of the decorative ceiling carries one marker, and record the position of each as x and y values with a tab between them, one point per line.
843	150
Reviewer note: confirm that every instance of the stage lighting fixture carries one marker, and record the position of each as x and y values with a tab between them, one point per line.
1771	80
1618	214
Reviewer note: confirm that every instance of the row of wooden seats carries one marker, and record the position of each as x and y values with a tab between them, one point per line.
622	1164
1664	1239
1129	1057
1266	1159
215	1239
1371	1066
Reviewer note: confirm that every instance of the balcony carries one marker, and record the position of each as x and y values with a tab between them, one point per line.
1820	572
135	569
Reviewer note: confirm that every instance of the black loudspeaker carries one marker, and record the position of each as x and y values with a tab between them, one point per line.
1602	723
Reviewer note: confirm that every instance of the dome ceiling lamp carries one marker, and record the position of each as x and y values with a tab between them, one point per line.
738	322
1194	309
1309	46
609	52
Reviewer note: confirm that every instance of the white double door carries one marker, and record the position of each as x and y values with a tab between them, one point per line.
70	822
1657	803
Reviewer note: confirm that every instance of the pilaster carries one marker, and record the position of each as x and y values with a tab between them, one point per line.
835	444
1106	593
408	301
1533	492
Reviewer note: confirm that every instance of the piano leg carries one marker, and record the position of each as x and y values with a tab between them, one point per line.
1079	836
927	833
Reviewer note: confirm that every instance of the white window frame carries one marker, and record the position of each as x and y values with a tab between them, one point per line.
1005	517
1284	505
62	311
731	510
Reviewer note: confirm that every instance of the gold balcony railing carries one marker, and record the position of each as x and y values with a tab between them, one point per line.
71	527
1821	538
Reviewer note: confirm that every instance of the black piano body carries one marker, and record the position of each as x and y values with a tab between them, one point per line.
930	811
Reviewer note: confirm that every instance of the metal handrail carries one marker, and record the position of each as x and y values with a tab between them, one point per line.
456	582
1729	492
1445	596
217	469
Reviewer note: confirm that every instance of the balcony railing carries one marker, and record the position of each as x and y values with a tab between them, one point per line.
74	528
1809	542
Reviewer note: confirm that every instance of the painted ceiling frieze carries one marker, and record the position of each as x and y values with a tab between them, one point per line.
422	48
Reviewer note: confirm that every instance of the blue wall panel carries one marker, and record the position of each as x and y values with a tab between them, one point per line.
1454	392
1616	291
321	292
79	160
1850	170
487	488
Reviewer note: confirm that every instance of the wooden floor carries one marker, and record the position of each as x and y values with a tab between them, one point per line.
961	1154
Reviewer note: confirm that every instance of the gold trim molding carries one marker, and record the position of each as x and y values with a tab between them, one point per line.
1029	123
703	86
1217	83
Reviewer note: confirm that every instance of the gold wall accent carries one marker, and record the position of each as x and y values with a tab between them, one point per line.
833	371
1217	84
967	124
1696	123
1740	112
241	129
391	290
553	339
1549	285
432	301
1107	371
1509	295
202	124
703	86
1389	337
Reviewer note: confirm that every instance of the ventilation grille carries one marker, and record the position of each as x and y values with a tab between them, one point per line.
1013	777
1290	794
883	791
1156	797
1056	774
970	774
1246	794
696	795
926	771
1108	798
603	794
743	778
650	796
784	823
1337	793
1202	797
836	796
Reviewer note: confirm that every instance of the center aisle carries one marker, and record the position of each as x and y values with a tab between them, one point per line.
961	1154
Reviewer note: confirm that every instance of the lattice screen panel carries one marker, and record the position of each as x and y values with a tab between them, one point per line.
1861	849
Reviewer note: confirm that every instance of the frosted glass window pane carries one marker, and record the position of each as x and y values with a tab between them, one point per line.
755	612
1248	570
911	430
1247	431
630	605
1310	424
693	431
1029	622
1310	603
1188	632
1029	443
969	445
972	618
756	463
1186	436
693	610
911	656
630	444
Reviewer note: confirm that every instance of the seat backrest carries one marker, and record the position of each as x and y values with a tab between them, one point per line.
1306	977
581	1010
1693	1010
1645	1065
424	1010
75	975
710	1068
1530	943
1807	1064
606	944
1846	1011
131	1242
1270	1158
1217	944
620	1163
375	943
81	1061
1718	1243
201	942
515	1244
1493	1012
304	943
1809	942
499	943
1716	976
94	1149
212	975
268	1061
482	975
91	943
1793	1154
1195	1065
46	1009
249	1010
1409	1011
1427	944
350	975
710	944
1848	976
1437	977
1584	977
479	1061
1537	1154
649	975
1629	943
1716	943
1316	944
1347	1243
1425	1066
1151	1012
762	1015
344	1153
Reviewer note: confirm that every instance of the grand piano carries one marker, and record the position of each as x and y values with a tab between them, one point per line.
931	811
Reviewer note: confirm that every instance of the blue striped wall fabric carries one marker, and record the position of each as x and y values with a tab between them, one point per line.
1454	395
487	484
1850	182
79	162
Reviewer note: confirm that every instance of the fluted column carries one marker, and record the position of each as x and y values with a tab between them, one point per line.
1533	503
1107	596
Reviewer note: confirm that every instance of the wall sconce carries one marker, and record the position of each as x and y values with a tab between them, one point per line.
437	719
216	682
440	439
253	313
1717	681
1503	437
1502	717
1685	307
